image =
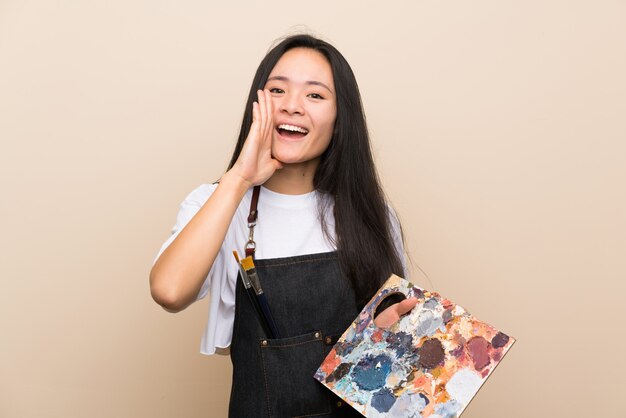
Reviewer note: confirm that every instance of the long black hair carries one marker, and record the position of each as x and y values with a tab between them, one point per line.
363	236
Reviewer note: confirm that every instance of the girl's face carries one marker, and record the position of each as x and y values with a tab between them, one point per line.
303	97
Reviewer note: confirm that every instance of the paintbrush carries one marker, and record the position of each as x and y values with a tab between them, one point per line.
250	291
248	265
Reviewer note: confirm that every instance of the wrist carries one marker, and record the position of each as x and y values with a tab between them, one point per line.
234	181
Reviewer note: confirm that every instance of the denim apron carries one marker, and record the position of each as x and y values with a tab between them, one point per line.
312	303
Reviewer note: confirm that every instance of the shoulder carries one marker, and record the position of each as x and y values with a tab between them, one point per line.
201	194
394	219
192	204
395	226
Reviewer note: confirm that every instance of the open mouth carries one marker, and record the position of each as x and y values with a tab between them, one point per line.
292	131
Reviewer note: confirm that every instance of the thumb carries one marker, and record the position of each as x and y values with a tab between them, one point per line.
406	305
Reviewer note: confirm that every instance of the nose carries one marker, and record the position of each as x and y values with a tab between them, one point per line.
290	104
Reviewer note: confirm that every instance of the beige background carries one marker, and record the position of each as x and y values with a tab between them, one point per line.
498	128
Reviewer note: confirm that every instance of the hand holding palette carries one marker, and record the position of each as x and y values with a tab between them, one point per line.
431	363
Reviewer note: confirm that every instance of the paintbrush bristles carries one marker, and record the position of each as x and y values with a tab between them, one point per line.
247	263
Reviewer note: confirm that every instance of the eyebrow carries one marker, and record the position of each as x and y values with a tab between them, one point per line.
311	82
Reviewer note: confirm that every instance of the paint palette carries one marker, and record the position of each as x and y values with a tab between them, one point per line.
431	363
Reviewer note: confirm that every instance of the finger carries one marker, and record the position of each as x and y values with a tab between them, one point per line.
270	113
255	112
262	111
277	165
256	116
387	318
268	116
254	128
406	305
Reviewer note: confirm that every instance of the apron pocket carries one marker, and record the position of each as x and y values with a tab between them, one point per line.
288	368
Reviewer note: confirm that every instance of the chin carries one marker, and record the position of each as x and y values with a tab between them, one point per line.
288	158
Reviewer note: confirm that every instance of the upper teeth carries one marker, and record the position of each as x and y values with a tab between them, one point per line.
293	128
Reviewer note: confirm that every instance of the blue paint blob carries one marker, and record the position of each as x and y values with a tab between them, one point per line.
383	400
448	409
431	303
371	372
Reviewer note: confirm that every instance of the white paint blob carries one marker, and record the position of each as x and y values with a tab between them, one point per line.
463	385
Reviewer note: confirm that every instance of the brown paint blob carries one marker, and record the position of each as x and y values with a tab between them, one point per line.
499	340
339	372
431	353
478	349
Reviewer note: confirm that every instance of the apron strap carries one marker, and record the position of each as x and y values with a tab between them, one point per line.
252	216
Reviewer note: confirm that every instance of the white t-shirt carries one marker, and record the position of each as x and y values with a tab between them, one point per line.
287	225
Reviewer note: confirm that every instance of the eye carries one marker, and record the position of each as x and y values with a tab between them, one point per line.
315	96
276	90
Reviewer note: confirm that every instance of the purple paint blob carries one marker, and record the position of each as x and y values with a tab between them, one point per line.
343	348
457	351
400	342
499	340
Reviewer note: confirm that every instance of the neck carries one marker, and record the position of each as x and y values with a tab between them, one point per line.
293	178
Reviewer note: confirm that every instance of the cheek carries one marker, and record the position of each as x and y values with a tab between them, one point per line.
327	122
275	107
331	129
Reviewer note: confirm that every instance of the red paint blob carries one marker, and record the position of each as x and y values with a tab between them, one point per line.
377	336
478	349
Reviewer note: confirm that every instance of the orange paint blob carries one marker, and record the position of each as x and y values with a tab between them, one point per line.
331	362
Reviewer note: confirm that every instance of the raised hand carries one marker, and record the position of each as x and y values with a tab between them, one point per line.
255	163
178	274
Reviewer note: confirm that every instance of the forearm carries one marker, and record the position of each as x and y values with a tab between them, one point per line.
178	273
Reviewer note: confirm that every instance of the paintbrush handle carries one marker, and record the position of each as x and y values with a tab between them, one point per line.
259	312
269	319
